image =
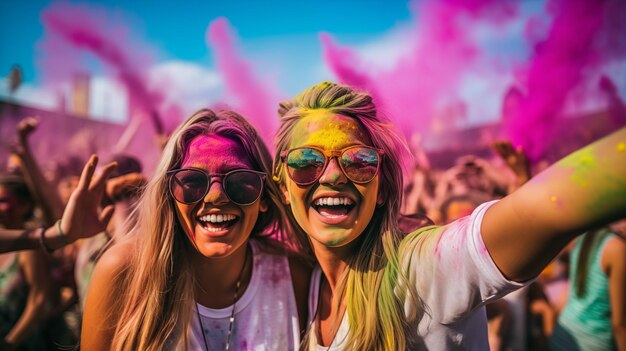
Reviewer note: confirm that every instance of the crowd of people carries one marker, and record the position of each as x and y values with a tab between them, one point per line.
335	242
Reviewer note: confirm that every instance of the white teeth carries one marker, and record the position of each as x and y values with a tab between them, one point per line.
333	201
218	218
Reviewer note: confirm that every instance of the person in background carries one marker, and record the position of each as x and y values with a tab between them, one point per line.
123	188
595	315
27	293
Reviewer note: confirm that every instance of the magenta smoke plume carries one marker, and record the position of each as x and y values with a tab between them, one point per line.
74	28
255	100
581	37
441	52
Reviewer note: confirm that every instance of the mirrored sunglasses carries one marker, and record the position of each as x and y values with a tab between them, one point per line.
190	185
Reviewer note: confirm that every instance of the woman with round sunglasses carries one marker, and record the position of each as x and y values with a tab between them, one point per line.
206	265
376	288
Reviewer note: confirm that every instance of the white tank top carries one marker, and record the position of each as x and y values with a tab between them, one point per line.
266	316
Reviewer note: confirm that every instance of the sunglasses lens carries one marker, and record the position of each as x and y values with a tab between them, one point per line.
188	185
305	165
243	187
360	164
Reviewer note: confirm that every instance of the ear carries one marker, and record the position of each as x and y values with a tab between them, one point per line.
380	199
263	205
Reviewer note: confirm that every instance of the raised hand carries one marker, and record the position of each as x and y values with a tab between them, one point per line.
119	187
26	127
82	218
515	159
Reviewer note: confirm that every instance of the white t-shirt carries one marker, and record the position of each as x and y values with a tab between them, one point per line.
455	277
266	317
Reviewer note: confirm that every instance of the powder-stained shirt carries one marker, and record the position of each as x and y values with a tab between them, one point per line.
266	317
455	277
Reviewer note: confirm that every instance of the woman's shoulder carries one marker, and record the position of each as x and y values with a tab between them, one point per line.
116	259
421	234
613	253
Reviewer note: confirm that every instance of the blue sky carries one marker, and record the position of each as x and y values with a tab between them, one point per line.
279	37
177	31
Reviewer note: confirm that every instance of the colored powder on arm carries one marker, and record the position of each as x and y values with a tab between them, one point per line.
584	164
592	170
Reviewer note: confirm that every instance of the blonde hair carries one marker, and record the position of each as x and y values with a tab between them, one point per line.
155	310
374	286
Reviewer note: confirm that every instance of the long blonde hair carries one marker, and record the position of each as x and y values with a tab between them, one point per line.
374	286
155	310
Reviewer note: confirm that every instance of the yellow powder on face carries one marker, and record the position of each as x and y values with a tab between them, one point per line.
327	130
553	198
621	147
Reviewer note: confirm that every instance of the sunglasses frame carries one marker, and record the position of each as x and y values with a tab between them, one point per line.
328	155
170	176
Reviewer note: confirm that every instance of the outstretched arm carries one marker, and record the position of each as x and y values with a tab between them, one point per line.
528	228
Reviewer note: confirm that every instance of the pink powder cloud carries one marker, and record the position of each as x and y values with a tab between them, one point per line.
441	52
582	36
569	46
255	99
72	30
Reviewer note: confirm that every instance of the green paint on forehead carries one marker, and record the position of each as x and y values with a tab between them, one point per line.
327	130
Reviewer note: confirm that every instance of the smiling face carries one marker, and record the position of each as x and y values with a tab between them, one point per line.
216	226
332	211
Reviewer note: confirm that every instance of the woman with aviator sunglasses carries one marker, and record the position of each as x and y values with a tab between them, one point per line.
206	267
376	288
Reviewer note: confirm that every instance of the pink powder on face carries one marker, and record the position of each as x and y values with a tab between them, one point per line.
254	99
216	154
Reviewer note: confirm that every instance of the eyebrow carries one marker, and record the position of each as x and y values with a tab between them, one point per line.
224	166
341	148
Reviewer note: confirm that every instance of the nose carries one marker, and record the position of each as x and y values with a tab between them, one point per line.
333	175
216	194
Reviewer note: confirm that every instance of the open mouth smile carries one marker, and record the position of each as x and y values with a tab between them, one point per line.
217	223
333	208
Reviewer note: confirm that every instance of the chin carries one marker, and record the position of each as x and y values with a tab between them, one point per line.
216	250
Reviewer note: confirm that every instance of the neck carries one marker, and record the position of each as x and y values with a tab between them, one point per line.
217	277
333	261
331	304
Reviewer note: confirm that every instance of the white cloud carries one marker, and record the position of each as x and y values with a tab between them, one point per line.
188	85
483	92
383	52
31	95
108	99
